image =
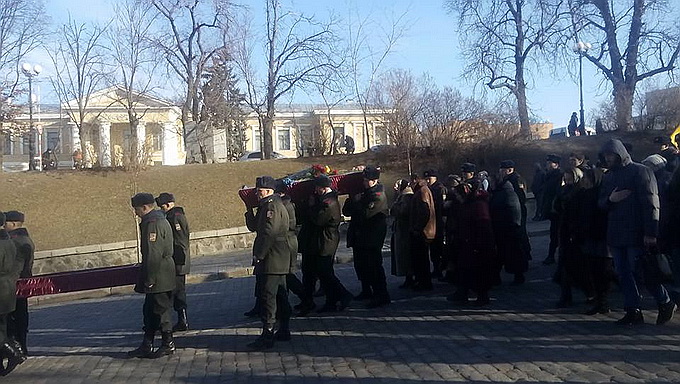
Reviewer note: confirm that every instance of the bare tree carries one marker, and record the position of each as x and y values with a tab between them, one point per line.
500	38
80	70
133	55
195	33
298	50
367	55
651	37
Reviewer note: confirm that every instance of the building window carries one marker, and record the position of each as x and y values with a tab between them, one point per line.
283	139
157	138
256	139
52	140
9	145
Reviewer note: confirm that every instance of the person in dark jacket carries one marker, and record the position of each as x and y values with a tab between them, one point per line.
436	247
319	239
537	190
423	229
506	217
573	125
366	235
156	277
507	169
476	259
657	164
180	254
629	195
552	183
18	320
401	238
669	152
271	255
9	273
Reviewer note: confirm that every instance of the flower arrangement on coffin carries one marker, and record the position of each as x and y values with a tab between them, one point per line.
299	184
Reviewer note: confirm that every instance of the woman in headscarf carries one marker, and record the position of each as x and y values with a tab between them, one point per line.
401	242
422	226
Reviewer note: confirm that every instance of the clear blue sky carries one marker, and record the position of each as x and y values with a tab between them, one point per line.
430	45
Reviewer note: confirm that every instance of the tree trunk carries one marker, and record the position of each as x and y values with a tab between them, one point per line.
623	102
267	141
522	110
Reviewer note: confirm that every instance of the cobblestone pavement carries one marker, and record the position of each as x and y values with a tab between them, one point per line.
418	338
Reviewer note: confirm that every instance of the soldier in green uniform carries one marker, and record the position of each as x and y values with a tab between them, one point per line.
18	320
156	277
271	255
9	273
366	235
180	254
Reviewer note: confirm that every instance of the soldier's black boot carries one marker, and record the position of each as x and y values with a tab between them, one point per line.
182	322
264	341
145	349
167	347
632	317
18	347
9	358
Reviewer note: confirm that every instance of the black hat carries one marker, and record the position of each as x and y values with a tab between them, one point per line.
280	186
322	181
164	198
662	140
430	173
266	182
371	173
2	218
14	216
507	164
553	158
142	199
468	167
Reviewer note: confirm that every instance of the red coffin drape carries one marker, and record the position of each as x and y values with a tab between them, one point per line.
78	280
349	183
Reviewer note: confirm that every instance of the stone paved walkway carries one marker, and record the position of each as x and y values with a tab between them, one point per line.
418	338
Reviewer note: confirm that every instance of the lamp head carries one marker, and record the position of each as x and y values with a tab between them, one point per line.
26	67
37	69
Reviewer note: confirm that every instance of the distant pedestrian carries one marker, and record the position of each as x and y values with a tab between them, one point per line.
551	185
349	144
156	278
180	255
537	190
573	125
401	239
18	320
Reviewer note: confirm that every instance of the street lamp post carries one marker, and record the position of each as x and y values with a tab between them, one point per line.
31	71
581	48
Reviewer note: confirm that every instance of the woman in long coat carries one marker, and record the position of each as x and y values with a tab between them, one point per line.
400	242
422	227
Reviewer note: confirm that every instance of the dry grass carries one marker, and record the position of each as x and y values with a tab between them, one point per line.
68	208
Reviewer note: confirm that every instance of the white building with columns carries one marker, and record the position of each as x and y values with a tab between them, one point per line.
107	132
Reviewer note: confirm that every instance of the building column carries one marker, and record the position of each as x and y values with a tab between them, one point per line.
171	144
75	136
142	154
104	143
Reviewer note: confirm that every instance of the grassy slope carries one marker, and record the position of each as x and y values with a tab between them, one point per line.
66	208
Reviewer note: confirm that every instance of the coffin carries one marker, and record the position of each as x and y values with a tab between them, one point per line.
299	191
77	280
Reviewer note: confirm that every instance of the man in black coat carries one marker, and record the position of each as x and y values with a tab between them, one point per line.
437	245
18	320
156	277
181	255
551	185
9	272
319	239
366	235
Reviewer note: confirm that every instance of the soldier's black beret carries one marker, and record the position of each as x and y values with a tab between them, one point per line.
507	164
553	158
430	173
371	173
142	199
468	167
2	218
15	216
265	182
164	198
322	181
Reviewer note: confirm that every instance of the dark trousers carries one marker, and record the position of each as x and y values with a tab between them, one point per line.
420	262
436	253
295	286
554	237
369	270
3	328
157	312
179	295
17	322
330	283
274	298
309	279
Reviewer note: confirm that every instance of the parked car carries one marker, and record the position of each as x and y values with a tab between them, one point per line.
251	156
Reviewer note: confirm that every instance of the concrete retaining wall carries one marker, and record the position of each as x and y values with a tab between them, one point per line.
204	243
